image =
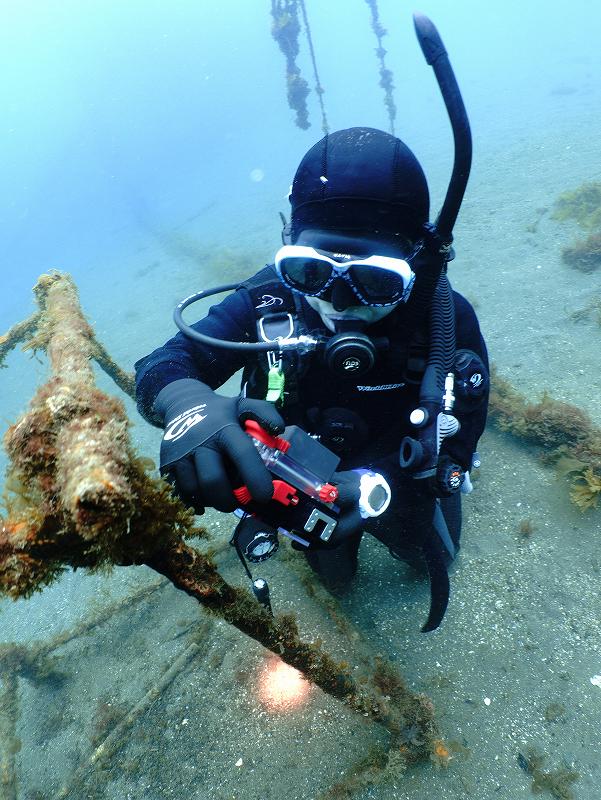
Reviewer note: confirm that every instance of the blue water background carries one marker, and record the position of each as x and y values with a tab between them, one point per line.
123	118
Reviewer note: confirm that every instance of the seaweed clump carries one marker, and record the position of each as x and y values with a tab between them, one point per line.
549	423
592	310
386	77
371	770
285	29
582	204
558	782
586	490
526	528
566	434
415	735
554	423
584	254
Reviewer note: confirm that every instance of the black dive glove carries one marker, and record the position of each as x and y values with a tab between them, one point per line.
350	522
204	445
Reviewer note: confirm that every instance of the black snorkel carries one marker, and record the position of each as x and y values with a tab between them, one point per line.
436	56
432	295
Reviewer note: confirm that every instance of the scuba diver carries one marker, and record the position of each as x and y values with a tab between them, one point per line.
352	336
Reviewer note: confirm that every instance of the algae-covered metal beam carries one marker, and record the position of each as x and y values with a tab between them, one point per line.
118	736
83	432
20	332
28	331
81	498
124	380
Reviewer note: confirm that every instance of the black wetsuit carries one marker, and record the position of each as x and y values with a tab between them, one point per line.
381	400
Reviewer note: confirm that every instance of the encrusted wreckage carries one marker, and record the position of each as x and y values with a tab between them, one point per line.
78	496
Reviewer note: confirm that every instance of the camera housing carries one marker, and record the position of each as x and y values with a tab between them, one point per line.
303	506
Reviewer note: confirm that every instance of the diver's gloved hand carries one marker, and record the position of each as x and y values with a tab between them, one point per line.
350	522
204	444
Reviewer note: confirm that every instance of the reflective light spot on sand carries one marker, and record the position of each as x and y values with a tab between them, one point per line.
281	688
256	175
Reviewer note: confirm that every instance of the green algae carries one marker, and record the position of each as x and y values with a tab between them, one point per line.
583	205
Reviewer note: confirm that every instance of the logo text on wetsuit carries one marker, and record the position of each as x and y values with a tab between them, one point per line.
385	387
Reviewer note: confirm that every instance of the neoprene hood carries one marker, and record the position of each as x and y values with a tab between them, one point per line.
360	182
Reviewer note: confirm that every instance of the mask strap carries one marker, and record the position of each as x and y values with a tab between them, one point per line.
286	230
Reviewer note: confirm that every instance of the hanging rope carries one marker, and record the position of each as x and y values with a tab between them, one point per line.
386	78
318	87
285	29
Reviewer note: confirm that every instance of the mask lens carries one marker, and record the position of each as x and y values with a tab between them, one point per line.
377	285
307	275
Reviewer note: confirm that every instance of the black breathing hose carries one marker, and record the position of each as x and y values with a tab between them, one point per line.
306	343
442	332
419	456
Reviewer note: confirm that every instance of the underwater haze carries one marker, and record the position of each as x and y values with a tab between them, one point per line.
122	119
147	150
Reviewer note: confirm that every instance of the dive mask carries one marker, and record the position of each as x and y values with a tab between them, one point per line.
375	280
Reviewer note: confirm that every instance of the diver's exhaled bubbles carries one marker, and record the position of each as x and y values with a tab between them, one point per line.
256	175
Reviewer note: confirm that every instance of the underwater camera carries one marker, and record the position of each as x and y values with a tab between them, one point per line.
303	506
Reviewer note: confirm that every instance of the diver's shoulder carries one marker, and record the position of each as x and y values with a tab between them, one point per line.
463	307
266	274
266	287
